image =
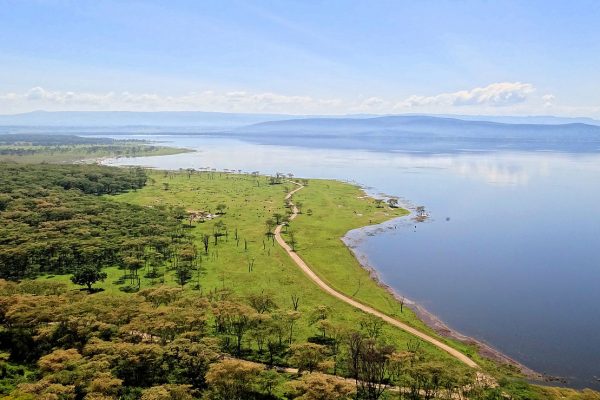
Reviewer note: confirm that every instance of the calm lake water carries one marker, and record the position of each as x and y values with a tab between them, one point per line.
510	255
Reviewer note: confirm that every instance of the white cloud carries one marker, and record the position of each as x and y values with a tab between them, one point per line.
501	98
496	95
372	105
548	99
234	101
41	95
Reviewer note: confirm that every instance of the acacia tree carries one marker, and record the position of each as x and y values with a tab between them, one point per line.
153	260
292	240
372	326
187	256
168	392
232	380
270	224
278	218
290	318
318	386
87	275
234	319
183	274
188	361
373	370
307	356
205	242
319	314
262	302
219	229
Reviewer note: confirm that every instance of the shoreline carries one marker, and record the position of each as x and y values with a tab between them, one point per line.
354	237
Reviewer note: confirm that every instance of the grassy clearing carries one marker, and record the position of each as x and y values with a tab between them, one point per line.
250	202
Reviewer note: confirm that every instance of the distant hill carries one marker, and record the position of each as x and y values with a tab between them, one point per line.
382	133
111	119
223	120
532	119
424	133
421	126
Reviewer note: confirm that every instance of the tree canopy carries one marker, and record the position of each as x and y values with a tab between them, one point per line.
55	219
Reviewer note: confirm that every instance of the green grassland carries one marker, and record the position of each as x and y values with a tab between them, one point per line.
250	202
30	154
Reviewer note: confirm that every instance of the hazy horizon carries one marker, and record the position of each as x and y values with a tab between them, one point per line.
512	58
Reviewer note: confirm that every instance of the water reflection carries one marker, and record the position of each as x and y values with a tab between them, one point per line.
498	168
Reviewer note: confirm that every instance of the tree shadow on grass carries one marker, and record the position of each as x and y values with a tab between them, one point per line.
91	291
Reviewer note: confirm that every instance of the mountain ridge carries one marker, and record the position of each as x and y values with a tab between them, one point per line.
227	120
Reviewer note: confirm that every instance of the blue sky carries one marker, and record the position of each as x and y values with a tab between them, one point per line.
464	57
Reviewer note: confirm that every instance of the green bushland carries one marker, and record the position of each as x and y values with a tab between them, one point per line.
53	221
135	226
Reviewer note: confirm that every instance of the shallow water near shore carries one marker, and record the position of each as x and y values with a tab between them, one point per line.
510	254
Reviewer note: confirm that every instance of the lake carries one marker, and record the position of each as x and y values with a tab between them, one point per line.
510	254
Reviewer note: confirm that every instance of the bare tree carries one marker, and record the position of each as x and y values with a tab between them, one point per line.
205	241
292	240
295	300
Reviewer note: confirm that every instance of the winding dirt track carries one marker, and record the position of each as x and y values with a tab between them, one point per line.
305	268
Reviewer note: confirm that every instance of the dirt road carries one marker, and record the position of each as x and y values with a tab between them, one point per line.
305	268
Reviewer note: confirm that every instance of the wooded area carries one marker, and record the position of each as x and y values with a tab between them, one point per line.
53	220
167	342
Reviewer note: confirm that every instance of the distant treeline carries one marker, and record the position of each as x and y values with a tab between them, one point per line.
52	219
52	140
116	149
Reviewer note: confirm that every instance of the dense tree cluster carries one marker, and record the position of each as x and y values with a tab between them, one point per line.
52	219
50	140
167	343
14	146
125	150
